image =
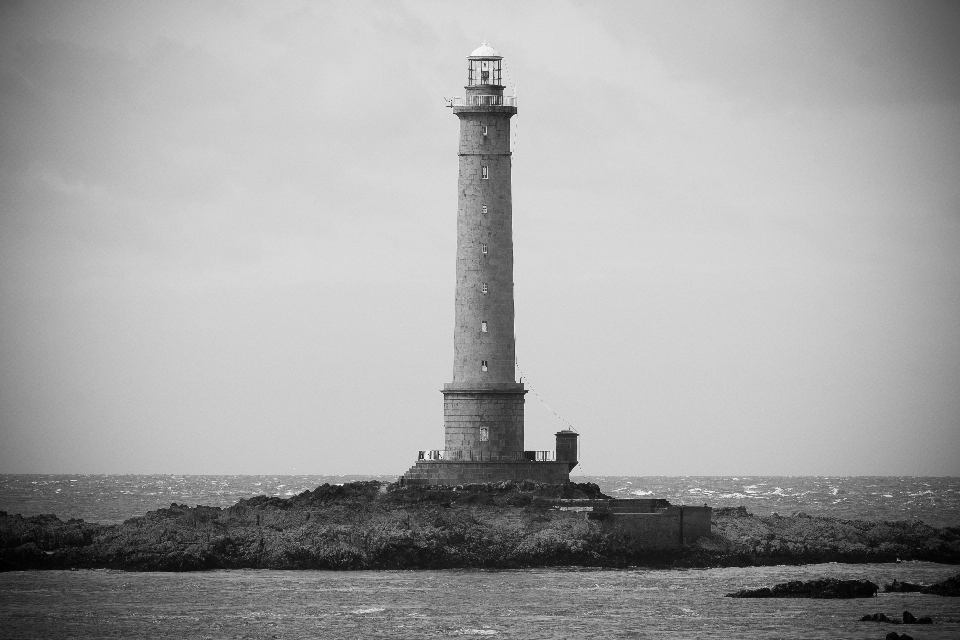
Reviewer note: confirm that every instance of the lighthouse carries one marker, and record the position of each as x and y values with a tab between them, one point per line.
483	404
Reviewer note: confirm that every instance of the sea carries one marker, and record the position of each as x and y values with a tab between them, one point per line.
528	603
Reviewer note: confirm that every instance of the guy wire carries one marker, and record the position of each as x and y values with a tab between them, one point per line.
579	446
527	380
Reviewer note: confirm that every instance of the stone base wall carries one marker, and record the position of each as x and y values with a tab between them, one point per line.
487	422
649	523
668	528
444	472
697	521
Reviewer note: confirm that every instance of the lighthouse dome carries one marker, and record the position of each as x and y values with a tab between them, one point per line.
485	51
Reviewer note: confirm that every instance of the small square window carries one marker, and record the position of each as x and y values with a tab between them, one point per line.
483	326
483	209
484	434
484	288
483	248
483	365
484	173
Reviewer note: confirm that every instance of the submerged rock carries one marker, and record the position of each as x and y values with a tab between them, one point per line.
908	618
876	617
824	588
763	592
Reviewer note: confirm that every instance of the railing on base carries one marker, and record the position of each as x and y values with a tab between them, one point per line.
540	456
484	456
482	101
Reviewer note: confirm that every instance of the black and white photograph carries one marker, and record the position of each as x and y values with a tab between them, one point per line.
434	319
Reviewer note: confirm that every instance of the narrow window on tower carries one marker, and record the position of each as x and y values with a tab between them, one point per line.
483	129
483	365
484	288
484	434
483	326
483	248
484	173
483	209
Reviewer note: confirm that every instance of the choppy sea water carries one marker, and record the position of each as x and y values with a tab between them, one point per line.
529	604
935	501
114	498
541	603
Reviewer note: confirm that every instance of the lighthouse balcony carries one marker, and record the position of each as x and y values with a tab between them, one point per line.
486	456
482	101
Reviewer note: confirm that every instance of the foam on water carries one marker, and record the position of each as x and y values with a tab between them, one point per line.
115	498
530	603
934	500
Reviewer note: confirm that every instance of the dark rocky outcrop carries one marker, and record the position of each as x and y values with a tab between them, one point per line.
893	635
805	539
363	525
372	525
908	618
948	587
824	588
902	587
876	617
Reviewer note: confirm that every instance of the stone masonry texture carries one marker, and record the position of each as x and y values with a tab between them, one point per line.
491	231
484	396
456	473
465	412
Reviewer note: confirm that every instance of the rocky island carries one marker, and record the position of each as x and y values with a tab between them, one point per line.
373	525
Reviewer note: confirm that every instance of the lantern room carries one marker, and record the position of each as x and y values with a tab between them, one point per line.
484	66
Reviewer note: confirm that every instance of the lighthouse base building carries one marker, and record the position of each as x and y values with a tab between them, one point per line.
453	468
483	405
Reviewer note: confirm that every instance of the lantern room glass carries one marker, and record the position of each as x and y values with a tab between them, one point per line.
484	72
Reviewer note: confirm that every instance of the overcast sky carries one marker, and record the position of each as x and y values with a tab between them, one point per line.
227	233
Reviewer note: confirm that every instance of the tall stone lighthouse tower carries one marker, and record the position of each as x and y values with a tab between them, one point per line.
483	405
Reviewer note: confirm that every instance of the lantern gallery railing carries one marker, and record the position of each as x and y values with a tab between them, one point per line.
484	456
482	101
